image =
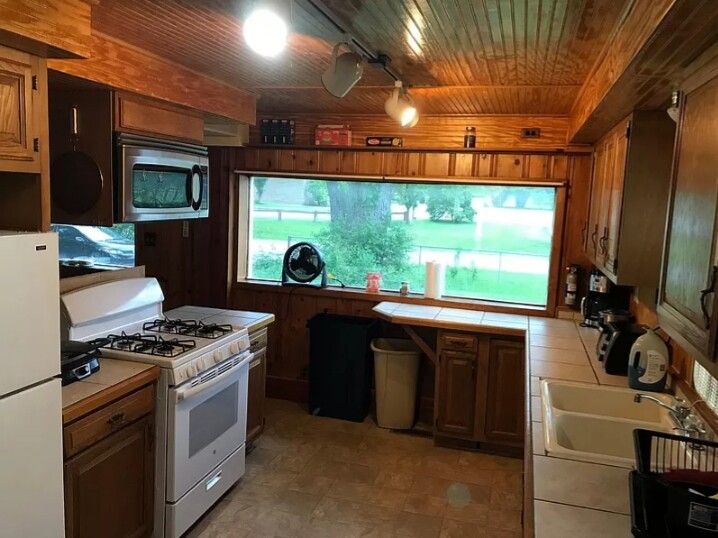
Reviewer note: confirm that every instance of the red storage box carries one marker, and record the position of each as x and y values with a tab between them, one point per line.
333	135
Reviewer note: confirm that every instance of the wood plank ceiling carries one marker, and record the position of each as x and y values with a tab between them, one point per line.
495	57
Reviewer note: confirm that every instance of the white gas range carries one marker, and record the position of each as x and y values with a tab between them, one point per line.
201	396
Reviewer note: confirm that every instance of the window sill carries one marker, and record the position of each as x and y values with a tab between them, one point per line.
412	298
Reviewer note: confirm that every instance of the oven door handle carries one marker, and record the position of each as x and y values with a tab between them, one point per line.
186	392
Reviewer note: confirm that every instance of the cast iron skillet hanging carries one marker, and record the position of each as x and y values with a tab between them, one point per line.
75	178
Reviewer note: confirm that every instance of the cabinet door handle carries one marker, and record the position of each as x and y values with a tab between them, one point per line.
118	419
704	295
603	239
594	235
584	233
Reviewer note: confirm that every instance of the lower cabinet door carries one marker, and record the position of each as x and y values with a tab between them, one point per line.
505	395
456	393
255	396
109	488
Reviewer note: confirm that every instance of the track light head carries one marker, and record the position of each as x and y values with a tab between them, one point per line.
345	70
400	106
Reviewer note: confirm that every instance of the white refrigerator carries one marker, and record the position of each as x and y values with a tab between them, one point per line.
31	488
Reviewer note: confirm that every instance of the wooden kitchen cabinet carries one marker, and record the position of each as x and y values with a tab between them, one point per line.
109	469
150	117
505	392
257	383
455	413
479	395
629	194
255	396
20	113
686	304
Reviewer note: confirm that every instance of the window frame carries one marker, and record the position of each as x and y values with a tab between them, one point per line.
243	225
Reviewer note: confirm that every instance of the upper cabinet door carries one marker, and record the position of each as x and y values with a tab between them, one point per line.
615	199
18	151
597	186
686	301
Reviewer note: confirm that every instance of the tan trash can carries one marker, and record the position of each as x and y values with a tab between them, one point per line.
396	368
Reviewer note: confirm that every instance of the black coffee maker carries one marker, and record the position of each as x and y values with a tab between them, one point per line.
618	333
601	295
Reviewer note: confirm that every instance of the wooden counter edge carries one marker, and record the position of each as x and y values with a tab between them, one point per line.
453	326
528	482
111	393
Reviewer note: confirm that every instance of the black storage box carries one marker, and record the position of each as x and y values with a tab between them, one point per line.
340	365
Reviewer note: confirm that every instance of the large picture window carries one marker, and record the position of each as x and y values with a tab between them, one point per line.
494	240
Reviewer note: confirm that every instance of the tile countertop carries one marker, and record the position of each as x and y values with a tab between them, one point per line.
571	498
111	373
253	321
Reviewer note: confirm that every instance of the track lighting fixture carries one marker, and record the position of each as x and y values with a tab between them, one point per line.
345	70
674	110
400	106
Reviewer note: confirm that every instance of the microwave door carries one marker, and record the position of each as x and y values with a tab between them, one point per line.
161	185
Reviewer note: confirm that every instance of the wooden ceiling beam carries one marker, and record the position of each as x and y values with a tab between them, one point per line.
122	66
634	31
50	29
643	63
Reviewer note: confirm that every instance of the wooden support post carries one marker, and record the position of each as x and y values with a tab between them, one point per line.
419	341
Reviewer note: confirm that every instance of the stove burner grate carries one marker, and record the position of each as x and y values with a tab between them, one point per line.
183	327
150	344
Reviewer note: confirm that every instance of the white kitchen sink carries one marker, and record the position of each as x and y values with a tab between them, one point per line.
596	423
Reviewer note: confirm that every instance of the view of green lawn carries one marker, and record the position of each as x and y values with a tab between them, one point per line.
462	282
495	240
496	237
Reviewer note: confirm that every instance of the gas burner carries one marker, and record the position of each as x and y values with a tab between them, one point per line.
171	326
212	331
127	342
150	344
187	328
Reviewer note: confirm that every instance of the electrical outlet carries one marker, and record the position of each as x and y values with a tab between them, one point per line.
530	133
150	239
304	374
185	228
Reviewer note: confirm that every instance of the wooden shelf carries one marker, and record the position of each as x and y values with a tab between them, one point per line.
558	149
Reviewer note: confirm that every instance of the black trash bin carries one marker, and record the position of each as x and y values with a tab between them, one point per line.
340	365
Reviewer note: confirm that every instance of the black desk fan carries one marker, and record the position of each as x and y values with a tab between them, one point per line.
303	264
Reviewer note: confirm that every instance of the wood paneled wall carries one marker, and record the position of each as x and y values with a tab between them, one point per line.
288	347
195	269
439	132
430	166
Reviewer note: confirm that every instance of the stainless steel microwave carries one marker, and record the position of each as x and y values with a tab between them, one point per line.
160	180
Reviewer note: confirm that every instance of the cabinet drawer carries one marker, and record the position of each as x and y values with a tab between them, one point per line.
459	342
91	429
258	340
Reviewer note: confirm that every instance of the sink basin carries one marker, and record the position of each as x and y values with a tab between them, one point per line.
604	401
596	423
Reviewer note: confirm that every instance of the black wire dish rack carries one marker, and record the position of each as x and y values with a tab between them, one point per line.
674	489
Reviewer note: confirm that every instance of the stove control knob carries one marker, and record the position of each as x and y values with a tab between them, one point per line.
233	349
199	365
217	357
189	371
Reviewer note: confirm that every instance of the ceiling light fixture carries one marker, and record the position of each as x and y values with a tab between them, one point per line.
400	106
265	32
345	70
674	111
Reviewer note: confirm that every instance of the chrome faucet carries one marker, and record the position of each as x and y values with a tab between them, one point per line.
687	422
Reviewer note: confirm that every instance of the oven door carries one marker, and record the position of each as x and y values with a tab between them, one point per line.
162	184
206	423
